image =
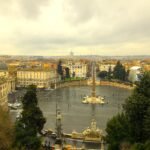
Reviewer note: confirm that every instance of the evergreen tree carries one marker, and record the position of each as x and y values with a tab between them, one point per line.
67	70
136	117
30	123
119	72
127	75
143	87
117	129
73	74
60	69
137	109
109	73
147	124
103	74
137	146
147	145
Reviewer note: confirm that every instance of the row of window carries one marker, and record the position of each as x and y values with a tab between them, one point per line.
29	83
35	73
29	79
31	76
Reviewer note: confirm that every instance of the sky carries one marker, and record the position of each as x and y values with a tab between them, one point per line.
85	27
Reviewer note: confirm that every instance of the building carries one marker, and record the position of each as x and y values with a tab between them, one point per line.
3	93
77	69
106	67
135	73
42	78
71	54
7	85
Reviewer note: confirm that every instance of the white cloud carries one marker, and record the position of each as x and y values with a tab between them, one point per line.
58	26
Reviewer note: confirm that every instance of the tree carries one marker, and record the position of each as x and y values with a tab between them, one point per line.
117	131
147	145
109	73
136	119
127	75
137	108
147	124
73	74
60	69
140	146
67	70
103	74
119	72
143	87
6	130
30	123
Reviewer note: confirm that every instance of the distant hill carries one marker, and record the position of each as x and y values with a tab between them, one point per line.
90	57
99	57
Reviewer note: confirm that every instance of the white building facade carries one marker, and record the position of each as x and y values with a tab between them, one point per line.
6	86
42	78
78	69
105	67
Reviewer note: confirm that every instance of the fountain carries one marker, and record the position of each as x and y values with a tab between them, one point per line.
92	133
93	99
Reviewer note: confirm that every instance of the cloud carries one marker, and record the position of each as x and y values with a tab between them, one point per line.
79	11
103	25
23	8
32	8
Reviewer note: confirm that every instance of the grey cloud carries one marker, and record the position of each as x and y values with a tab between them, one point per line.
86	23
42	41
137	30
115	14
24	8
31	8
117	21
79	10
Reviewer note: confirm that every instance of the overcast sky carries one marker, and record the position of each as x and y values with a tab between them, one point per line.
56	27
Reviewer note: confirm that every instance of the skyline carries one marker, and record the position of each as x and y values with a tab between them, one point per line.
74	55
54	28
